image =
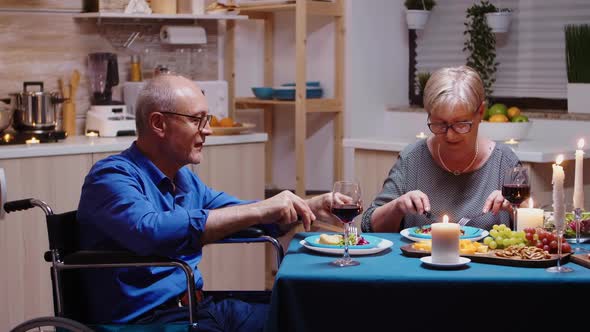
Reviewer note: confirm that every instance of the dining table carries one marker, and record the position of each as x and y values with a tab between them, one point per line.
390	291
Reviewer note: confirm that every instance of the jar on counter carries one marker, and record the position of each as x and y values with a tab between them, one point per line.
135	69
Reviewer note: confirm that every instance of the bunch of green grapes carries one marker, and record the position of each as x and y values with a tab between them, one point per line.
502	237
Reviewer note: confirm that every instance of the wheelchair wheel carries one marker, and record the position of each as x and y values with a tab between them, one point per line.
37	324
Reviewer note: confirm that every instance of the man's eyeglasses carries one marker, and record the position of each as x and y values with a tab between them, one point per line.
462	127
199	121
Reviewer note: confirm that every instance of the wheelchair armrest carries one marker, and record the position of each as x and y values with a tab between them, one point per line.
90	257
250	232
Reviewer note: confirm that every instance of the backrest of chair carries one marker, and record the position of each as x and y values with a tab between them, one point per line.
63	232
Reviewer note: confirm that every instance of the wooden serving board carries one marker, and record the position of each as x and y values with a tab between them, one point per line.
491	258
581	259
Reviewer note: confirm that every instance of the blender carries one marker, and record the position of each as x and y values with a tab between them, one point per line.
106	117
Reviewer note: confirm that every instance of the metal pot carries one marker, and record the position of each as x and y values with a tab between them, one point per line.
35	111
6	113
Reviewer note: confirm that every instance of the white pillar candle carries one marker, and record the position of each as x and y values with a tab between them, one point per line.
558	194
579	177
529	217
445	242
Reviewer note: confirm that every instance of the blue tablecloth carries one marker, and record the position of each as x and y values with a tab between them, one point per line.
389	291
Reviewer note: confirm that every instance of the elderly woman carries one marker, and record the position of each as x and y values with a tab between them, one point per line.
453	172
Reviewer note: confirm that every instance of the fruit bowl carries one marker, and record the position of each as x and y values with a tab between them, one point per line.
503	131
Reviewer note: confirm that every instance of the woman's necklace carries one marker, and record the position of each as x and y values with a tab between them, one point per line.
457	172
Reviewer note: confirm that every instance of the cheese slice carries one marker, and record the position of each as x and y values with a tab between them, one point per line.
330	239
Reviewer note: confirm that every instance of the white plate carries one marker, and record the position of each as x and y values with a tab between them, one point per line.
428	261
406	233
384	244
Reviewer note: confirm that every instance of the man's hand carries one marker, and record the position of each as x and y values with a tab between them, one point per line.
286	208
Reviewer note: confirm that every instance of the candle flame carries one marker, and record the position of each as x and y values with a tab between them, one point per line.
559	159
446	219
581	143
531	202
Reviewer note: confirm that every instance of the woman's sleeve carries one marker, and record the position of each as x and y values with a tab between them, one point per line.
393	187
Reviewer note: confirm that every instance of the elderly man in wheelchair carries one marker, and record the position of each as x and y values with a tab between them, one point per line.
144	201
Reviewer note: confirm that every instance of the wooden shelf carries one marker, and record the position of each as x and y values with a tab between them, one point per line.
98	15
301	106
312	105
316	8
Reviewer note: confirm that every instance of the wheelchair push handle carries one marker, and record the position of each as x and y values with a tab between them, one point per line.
25	204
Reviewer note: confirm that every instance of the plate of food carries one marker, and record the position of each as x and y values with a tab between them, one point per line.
419	233
235	129
334	244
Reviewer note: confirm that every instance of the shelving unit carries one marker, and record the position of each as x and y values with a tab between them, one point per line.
301	9
100	16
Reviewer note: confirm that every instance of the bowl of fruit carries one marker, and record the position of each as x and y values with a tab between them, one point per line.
501	123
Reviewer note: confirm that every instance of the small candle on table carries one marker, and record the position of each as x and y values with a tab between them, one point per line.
529	217
421	135
445	242
579	177
511	141
558	194
33	140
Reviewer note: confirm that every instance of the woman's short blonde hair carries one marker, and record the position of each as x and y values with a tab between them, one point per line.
454	86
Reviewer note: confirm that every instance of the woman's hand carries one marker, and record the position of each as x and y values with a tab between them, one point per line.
496	202
413	202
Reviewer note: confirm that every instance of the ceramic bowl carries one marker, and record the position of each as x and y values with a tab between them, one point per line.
503	131
263	92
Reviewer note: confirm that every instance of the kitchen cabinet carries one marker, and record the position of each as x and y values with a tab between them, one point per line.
58	179
302	9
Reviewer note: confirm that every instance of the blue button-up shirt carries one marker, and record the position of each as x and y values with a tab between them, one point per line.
128	203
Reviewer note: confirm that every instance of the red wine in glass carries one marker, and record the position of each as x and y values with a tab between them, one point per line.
346	212
516	193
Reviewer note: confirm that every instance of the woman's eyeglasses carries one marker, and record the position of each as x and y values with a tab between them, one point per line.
199	121
462	127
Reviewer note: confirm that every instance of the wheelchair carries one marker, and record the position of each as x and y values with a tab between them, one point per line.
66	257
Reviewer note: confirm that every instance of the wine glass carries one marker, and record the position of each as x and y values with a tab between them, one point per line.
578	213
346	205
559	223
516	188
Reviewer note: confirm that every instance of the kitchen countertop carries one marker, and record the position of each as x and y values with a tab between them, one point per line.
83	144
546	138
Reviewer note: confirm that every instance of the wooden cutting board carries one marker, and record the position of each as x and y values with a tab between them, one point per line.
581	259
491	258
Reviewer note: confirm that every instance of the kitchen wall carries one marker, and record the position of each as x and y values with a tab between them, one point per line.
41	41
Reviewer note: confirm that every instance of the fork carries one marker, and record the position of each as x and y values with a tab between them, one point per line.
353	230
463	221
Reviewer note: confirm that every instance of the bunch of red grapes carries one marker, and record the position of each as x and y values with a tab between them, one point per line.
545	240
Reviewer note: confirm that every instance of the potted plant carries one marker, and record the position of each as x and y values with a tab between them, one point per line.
421	80
417	12
498	19
577	55
481	44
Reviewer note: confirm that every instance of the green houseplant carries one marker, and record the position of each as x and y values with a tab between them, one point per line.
417	12
480	43
421	80
577	55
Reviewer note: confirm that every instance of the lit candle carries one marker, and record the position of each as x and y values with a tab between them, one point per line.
529	217
579	177
558	194
445	241
91	134
421	135
511	141
33	140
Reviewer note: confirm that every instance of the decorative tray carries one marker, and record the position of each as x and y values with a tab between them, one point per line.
581	259
491	258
